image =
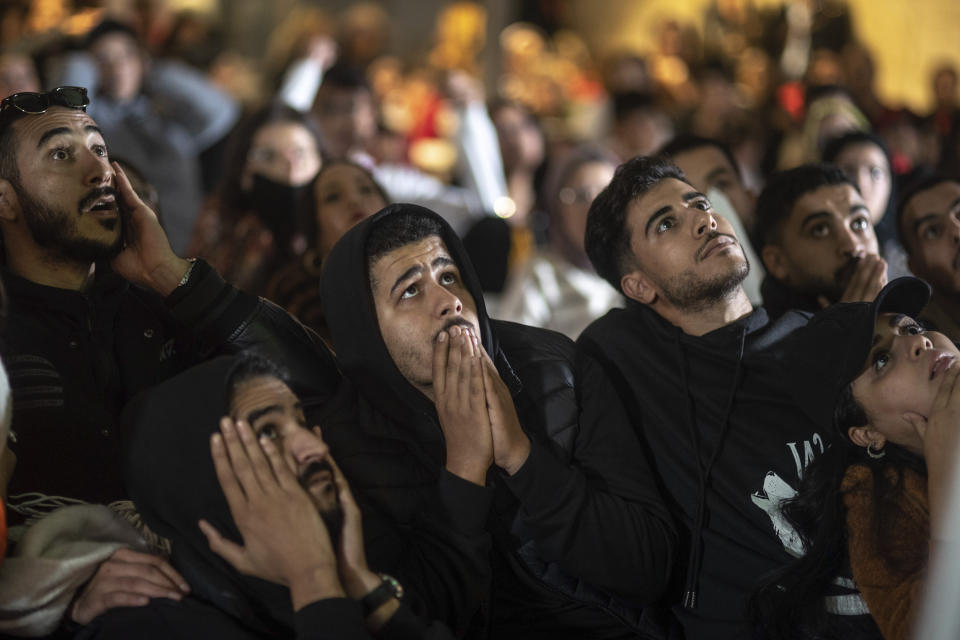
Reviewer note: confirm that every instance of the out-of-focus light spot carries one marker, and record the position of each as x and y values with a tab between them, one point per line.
504	207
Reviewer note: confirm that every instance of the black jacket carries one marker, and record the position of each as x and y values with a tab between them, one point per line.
75	359
778	298
579	533
331	619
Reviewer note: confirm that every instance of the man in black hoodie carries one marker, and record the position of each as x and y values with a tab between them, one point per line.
273	556
816	240
696	371
435	393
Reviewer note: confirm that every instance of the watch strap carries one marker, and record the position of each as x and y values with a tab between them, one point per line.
388	588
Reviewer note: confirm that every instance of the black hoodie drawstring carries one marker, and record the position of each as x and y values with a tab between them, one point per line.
696	542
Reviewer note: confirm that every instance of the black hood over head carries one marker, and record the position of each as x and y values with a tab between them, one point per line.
352	317
170	477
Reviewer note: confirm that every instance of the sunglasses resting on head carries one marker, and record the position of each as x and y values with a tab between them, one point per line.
31	103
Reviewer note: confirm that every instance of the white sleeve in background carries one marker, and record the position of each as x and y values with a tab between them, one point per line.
300	84
460	207
478	155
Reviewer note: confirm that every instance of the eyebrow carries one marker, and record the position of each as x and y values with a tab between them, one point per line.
930	216
813	216
256	414
56	131
919	223
440	261
893	322
687	197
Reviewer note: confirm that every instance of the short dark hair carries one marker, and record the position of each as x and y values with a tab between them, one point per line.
248	366
607	238
836	145
923	183
8	153
782	192
405	226
8	167
690	142
109	26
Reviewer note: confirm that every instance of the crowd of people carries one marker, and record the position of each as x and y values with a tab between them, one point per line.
326	362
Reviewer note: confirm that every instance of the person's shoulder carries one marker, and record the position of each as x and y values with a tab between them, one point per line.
615	319
857	478
515	337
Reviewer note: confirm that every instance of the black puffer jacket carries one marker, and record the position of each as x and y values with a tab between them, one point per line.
579	522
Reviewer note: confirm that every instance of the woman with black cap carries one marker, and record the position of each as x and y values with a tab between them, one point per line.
868	507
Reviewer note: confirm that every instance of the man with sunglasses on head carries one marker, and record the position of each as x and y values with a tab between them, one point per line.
100	307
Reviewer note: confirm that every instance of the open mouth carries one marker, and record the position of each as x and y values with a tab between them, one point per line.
106	203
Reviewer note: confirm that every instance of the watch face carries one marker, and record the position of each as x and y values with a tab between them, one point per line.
393	584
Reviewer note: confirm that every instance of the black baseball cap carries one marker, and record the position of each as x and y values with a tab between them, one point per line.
829	353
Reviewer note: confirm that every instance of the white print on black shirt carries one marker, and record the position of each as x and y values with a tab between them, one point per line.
808	453
769	498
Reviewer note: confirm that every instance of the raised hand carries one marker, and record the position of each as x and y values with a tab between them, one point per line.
284	538
461	404
939	432
869	276
127	579
511	446
146	258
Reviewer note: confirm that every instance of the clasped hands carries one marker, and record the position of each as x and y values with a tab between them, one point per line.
475	408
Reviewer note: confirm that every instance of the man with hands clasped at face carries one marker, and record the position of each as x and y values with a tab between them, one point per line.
460	435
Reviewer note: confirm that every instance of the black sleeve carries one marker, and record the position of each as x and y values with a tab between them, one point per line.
341	619
404	625
331	619
217	318
600	517
442	556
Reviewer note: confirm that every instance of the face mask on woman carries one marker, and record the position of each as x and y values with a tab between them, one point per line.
278	205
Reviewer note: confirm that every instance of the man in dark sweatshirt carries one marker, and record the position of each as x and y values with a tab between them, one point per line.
448	414
279	550
696	372
816	240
